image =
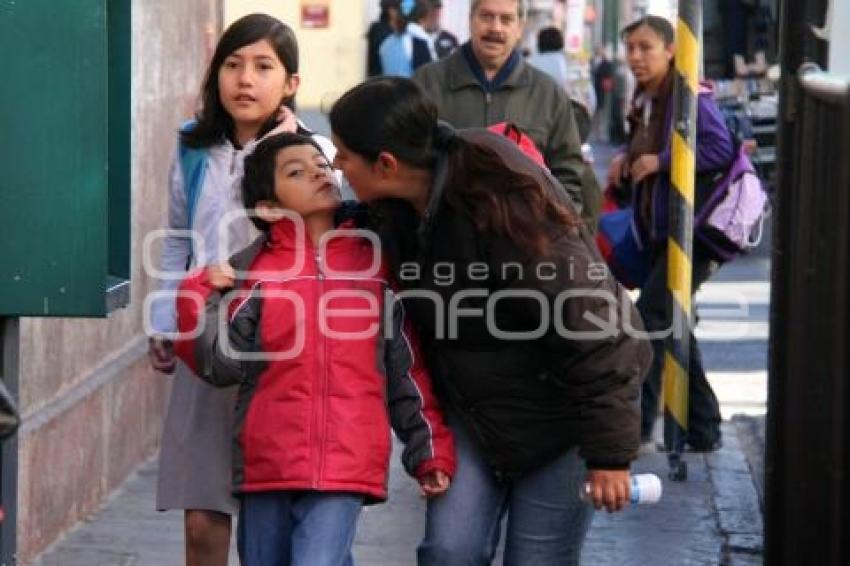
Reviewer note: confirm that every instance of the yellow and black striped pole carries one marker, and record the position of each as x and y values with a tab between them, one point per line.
680	240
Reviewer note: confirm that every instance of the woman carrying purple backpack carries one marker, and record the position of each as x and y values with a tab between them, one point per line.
645	165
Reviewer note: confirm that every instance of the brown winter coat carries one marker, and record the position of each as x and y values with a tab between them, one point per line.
525	401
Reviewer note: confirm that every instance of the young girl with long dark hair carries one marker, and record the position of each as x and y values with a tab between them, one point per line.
249	92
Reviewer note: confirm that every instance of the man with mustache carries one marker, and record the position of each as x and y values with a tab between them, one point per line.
486	81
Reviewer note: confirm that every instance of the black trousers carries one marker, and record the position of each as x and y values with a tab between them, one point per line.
703	408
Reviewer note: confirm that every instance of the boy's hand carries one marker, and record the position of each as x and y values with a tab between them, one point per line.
608	488
161	354
221	276
434	483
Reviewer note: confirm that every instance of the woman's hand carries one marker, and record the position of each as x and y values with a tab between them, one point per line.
434	483
221	276
161	354
617	170
608	489
643	167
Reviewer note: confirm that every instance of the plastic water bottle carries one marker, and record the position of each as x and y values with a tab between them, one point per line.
644	489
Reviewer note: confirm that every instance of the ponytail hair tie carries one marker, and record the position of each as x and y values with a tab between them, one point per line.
445	137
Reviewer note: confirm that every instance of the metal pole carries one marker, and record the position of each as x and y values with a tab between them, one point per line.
680	240
9	347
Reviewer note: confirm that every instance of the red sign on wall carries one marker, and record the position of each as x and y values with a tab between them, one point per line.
315	14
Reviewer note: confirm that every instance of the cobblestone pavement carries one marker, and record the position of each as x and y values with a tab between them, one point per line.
712	518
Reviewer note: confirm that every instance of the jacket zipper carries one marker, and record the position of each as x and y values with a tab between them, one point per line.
488	98
321	414
233	162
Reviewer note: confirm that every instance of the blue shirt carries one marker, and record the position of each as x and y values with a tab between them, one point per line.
396	53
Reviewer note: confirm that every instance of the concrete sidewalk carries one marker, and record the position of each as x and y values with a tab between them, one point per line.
713	518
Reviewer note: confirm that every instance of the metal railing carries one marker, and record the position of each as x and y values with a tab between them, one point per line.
827	87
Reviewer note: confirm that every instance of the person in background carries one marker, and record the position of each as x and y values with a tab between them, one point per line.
550	57
444	41
645	166
486	81
602	73
422	24
735	16
552	60
378	32
402	52
619	97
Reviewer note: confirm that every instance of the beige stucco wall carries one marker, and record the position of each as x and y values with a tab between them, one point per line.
332	60
92	408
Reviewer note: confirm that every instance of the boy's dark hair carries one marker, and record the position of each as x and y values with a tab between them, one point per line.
659	25
258	183
550	39
213	122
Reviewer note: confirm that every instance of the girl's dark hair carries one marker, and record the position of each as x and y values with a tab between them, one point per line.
393	115
258	183
659	25
213	122
387	114
550	39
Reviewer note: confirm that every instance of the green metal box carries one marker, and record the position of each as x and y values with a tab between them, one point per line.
64	157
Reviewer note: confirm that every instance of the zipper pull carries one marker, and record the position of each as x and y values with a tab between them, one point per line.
319	272
233	162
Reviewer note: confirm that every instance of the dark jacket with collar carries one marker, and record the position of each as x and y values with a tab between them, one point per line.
715	152
527	97
525	402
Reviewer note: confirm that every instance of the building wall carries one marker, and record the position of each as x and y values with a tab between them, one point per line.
92	409
456	18
332	59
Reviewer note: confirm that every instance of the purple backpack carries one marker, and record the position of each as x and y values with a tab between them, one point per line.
732	219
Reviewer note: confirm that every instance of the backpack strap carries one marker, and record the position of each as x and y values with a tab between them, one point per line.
193	164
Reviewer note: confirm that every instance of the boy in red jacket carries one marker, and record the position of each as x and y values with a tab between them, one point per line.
320	351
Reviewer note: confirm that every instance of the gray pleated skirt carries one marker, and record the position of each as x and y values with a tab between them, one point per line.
195	466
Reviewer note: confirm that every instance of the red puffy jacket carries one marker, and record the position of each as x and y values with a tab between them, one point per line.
323	360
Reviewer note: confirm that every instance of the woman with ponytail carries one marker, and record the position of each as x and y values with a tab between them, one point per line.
530	341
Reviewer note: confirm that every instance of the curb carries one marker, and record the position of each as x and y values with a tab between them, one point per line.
736	501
